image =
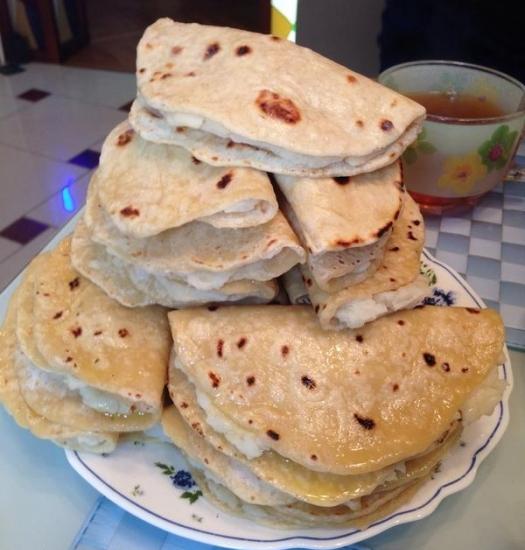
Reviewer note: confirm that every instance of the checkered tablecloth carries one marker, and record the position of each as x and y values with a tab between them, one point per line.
486	245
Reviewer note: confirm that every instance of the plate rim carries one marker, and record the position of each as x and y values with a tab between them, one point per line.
397	518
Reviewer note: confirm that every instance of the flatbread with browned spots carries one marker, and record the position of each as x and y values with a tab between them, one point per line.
347	402
236	98
147	188
344	223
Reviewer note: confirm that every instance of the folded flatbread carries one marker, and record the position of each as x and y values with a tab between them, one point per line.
267	375
132	286
83	360
396	283
317	488
242	481
372	508
236	98
147	188
11	398
344	223
199	254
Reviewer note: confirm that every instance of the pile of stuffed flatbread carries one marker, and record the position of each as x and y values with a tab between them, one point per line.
288	424
76	367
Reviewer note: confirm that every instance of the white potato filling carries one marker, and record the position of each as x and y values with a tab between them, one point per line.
243	440
356	313
64	384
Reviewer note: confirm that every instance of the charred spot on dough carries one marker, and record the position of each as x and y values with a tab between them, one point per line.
317	308
250	380
123	332
359	123
308	282
401	322
74	283
395	387
195	160
197	427
346	244
410	235
270	242
69	359
184	405
393	103
392	155
97	333
180	129
149	46
365	422
359	338
130	212
57	315
213	307
243	50
225	180
165	75
396	215
473	310
313	457
191	73
342	180
383	230
386	125
308	382
275	106
416	222
125	137
464	369
215	380
242	342
76	331
274	435
142	70
392	280
211	50
394	249
168	65
445	367
220	346
274	38
429	358
285	350
351	78
176	50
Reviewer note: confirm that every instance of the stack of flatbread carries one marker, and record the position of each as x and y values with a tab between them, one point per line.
161	227
331	138
288	424
76	367
247	159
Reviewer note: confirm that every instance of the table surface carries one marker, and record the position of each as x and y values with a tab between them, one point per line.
43	502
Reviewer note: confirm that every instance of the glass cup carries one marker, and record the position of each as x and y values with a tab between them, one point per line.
455	161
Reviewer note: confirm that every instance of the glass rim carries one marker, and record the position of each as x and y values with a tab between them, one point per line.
458	120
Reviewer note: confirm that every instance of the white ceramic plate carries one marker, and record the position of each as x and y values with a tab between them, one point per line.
132	480
130	477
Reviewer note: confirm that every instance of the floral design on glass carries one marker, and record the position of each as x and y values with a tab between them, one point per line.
181	479
461	173
428	273
440	297
495	152
420	146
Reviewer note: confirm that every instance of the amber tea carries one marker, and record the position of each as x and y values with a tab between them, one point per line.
454	105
